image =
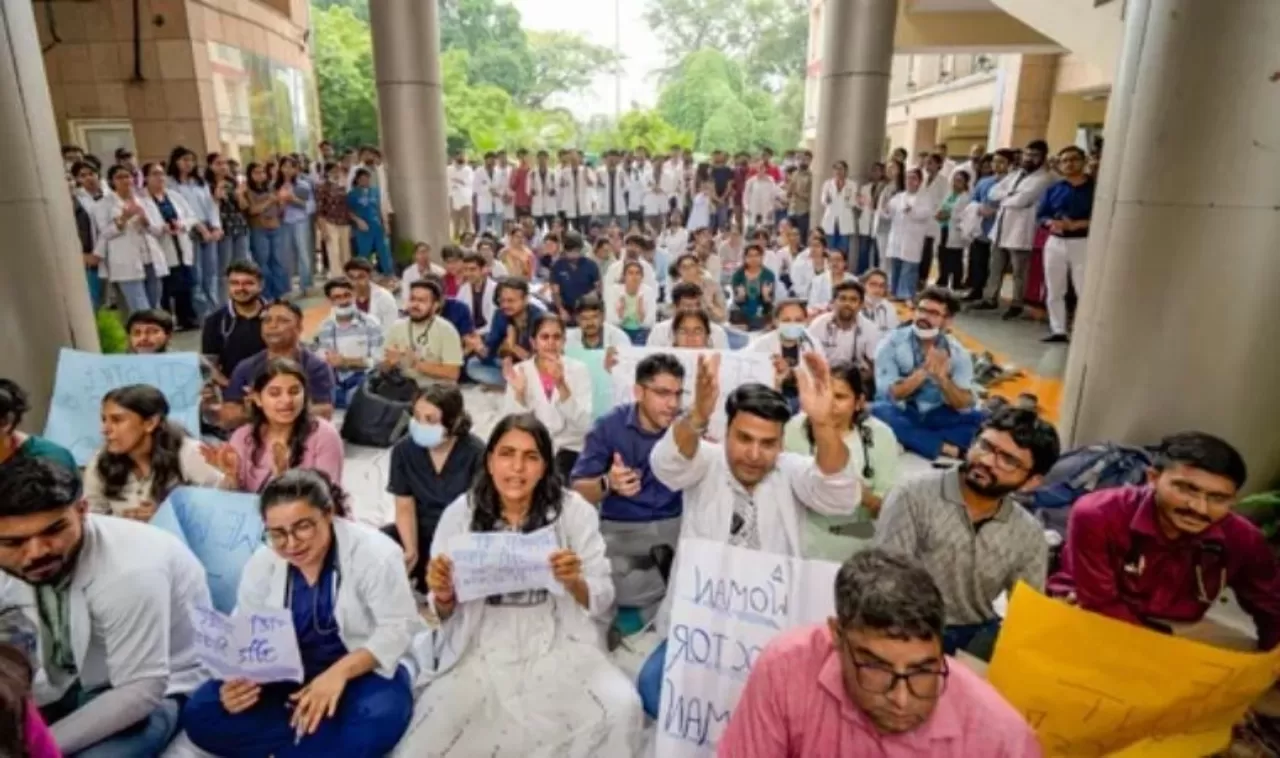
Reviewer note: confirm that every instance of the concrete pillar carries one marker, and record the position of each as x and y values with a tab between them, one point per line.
1027	83
1178	325
44	302
853	92
406	57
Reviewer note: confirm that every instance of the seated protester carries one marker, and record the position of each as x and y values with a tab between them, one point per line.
354	617
875	675
112	599
753	288
689	271
283	432
486	248
637	512
144	456
603	255
875	453
573	277
775	259
510	336
876	305
687	298
1162	554
516	257
371	297
784	345
822	291
659	260
149	331
421	266
548	251
747	492
633	305
555	389
25	733
844	334
282	331
924	381
634	247
424	346
451	277
234	333
592	331
430	468
454	312
479	294
14	443
692	330
531	661
970	532
809	265
351	342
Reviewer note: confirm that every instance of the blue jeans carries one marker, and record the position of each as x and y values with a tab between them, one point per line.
267	246
649	680
146	739
298	252
976	639
491	222
926	433
839	242
230	249
205	277
94	282
484	371
902	279
720	220
345	387
141	294
866	254
373	714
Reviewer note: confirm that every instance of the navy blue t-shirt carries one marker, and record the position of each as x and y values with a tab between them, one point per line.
575	277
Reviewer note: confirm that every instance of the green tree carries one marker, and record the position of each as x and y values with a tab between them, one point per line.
649	129
343	64
708	95
768	37
564	62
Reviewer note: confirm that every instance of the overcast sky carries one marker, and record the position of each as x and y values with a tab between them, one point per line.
595	20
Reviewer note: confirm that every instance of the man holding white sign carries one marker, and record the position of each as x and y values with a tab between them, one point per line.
747	492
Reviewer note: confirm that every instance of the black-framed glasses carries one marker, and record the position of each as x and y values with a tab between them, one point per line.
1005	461
876	679
661	393
300	532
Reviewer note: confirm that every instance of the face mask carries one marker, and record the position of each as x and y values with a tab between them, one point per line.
873	300
426	435
925	334
344	311
791	332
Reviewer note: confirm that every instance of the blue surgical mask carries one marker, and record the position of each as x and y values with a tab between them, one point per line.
791	332
426	435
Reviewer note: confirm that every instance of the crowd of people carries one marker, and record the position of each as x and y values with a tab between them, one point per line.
96	605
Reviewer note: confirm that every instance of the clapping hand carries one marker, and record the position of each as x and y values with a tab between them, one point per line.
610	358
623	480
640	309
279	457
555	370
781	370
514	378
937	363
814	386
706	390
145	510
766	289
621	307
224	458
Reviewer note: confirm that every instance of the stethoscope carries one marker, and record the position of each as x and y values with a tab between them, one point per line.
315	600
830	331
228	326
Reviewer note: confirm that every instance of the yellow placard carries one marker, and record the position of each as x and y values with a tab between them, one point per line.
1093	686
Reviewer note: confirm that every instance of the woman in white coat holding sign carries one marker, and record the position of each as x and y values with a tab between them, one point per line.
523	673
355	619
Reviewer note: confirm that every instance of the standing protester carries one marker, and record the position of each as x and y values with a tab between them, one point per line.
232	205
800	194
334	217
461	187
952	239
868	255
1066	209
838	199
365	200
911	213
980	248
518	184
234	333
542	191
266	240
295	194
205	233
1017	197
175	243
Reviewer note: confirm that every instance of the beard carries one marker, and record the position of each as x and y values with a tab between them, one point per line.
982	479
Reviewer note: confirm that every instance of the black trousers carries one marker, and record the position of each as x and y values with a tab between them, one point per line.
801	222
926	264
979	267
175	296
564	463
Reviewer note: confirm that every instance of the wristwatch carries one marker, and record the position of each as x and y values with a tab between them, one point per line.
604	485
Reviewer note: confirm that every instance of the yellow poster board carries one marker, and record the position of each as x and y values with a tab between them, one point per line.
1093	686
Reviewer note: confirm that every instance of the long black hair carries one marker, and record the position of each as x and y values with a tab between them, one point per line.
251	184
166	444
862	387
177	154
303	425
297	167
312	486
453	410
15	699
548	493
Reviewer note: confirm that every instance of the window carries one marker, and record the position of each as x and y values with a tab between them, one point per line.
102	137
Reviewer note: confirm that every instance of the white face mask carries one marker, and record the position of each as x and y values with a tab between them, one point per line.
344	311
874	300
926	334
791	332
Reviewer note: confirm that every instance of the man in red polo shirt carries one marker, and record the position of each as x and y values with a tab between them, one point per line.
1165	552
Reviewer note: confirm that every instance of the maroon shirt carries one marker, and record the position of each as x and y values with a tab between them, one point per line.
1118	563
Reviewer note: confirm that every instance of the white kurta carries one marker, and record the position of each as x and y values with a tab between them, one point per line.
461	186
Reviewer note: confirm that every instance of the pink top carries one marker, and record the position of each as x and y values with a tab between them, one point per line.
795	706
39	739
323	451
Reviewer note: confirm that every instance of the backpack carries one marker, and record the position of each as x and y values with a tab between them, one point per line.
1081	471
378	415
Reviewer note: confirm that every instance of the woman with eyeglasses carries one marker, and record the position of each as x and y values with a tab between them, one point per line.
691	329
875	452
523	673
173	238
282	432
355	619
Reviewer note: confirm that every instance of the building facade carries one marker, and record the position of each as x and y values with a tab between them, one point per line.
231	76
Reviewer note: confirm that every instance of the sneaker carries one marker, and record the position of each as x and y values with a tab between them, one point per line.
1056	339
1012	313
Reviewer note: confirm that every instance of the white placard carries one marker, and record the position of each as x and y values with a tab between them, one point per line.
729	604
496	563
737	367
261	646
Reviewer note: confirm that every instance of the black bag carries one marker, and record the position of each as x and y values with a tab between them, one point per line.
379	412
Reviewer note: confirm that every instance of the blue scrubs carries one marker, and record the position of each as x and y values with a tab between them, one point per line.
373	712
366	203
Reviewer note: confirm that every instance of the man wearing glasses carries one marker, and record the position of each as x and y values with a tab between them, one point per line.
874	676
1065	210
924	381
1162	554
974	538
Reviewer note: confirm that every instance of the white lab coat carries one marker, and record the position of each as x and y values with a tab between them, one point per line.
382	306
867	208
567	420
803	275
671	186
662	335
126	252
461	186
637	187
130	600
488	191
957	232
675	240
1018	197
781	497
837	206
576	191
937	192
373	606
487	304
613	276
177	249
648	297
842	347
820	292
759	199
506	198
617	188
912	221
882	314
779	262
543	191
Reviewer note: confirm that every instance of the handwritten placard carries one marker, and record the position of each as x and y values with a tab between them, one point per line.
1092	685
496	563
729	604
83	378
736	369
260	646
223	529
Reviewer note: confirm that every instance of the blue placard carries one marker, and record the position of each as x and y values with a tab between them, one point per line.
222	528
83	378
